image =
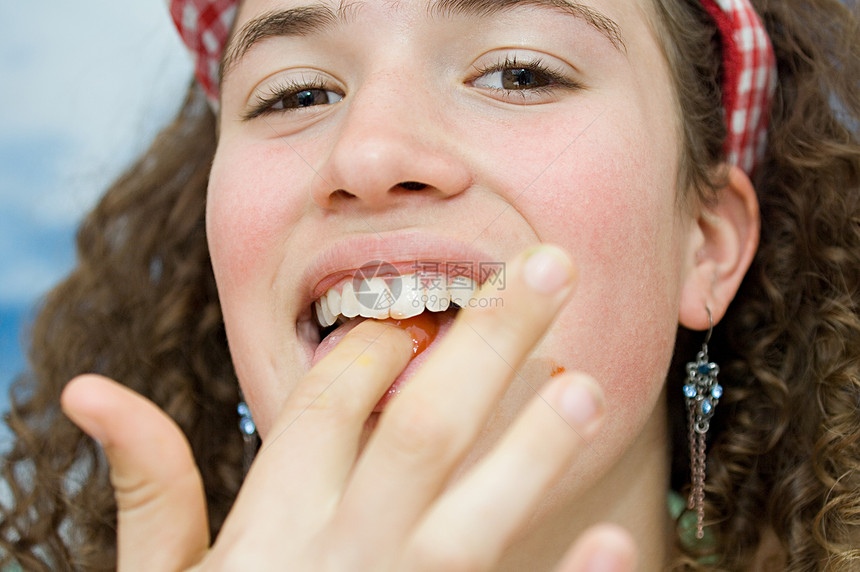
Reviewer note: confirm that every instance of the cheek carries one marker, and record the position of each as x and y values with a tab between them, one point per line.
257	194
253	195
620	223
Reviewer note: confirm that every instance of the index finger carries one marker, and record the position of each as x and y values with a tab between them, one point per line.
310	449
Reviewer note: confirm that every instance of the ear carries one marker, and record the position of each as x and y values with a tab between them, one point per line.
723	239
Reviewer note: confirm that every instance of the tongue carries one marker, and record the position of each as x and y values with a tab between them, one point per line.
423	329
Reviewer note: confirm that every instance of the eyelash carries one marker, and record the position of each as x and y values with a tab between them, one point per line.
557	80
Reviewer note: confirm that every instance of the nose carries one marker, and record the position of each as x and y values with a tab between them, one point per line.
391	143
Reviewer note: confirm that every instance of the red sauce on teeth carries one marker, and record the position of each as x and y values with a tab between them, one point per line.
423	329
556	369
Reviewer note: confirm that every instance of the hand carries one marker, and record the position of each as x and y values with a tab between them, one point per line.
313	501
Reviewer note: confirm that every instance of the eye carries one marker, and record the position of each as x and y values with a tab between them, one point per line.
294	96
514	79
525	79
306	98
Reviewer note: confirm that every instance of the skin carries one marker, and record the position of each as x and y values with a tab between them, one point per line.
467	451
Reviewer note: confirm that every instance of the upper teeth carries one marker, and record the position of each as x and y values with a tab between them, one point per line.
396	297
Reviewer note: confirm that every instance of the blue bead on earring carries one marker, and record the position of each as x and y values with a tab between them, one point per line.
702	393
249	435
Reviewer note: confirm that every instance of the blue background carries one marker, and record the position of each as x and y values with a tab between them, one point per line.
84	87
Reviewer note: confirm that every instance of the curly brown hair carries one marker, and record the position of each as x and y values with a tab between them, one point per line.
142	307
786	445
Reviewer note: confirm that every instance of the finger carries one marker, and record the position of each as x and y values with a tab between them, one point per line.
475	520
440	411
605	547
311	448
162	523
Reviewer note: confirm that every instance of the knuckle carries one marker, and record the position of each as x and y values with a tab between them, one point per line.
137	490
504	329
131	497
309	395
421	434
321	400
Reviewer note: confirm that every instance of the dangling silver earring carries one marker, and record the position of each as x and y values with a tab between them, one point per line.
249	435
702	393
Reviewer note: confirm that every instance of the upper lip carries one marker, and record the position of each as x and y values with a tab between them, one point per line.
402	250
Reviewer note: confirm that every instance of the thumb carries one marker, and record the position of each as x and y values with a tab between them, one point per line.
159	493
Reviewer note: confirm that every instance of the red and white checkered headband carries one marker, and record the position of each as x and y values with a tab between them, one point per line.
749	64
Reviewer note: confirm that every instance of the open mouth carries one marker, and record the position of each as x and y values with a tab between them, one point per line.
423	304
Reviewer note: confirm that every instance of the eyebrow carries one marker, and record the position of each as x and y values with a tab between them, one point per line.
316	18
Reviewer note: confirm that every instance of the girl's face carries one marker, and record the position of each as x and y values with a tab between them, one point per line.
510	123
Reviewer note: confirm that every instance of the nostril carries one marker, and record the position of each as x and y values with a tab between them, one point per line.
412	185
342	194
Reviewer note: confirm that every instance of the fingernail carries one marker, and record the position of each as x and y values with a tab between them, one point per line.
579	405
547	270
